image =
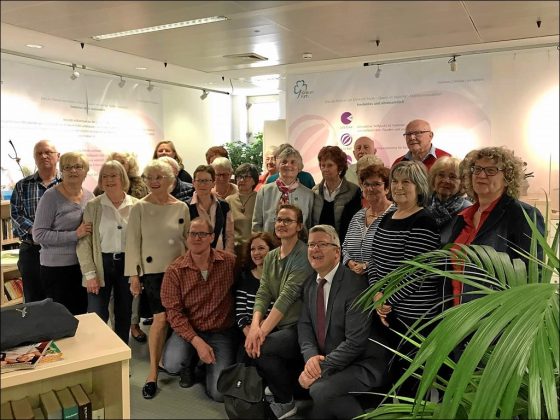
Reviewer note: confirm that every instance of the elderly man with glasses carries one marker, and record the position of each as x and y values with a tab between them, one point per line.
334	335
418	135
198	299
23	205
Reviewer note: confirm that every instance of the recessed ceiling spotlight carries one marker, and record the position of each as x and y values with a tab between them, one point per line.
141	68
175	25
307	56
34	45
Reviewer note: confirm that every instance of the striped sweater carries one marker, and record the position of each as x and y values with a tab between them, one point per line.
397	240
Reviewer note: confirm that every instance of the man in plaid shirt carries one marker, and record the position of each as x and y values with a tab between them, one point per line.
25	197
198	299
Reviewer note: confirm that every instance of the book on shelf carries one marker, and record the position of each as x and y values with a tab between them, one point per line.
52	354
68	404
13	290
97	407
6	411
50	406
38	414
83	402
23	357
22	409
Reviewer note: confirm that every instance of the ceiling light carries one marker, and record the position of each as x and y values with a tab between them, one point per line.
33	45
141	68
150	86
161	27
453	63
378	72
204	94
75	73
122	82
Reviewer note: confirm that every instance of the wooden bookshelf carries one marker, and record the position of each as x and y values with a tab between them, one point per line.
95	357
8	239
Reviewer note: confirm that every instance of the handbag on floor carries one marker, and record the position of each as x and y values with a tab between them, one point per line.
243	392
35	321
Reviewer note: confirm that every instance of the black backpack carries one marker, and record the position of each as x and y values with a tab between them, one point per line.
243	392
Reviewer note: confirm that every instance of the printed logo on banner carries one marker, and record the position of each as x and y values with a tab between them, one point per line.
346	118
346	139
300	89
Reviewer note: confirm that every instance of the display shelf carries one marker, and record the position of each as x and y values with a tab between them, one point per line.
95	358
8	239
8	272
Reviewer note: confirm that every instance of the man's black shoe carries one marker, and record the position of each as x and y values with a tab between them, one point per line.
187	378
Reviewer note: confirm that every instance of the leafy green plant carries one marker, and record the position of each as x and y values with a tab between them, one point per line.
510	363
240	152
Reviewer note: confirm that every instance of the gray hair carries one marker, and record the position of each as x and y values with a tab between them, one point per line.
287	152
172	162
329	230
114	164
161	166
417	173
223	163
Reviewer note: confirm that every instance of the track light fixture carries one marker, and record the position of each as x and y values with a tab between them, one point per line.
378	72
453	63
150	86
122	82
75	73
204	94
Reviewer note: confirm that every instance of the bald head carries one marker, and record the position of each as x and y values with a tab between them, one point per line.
418	135
364	146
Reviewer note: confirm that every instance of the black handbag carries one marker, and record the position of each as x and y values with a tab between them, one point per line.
243	392
32	322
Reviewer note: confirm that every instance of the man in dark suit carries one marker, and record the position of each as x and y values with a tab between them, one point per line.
333	335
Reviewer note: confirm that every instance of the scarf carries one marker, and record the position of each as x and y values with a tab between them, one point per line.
286	190
443	212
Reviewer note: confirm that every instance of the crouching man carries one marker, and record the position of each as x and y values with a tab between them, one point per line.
333	335
197	296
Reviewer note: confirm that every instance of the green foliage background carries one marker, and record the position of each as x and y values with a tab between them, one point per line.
240	152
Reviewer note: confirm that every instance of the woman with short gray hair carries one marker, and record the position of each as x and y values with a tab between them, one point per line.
285	190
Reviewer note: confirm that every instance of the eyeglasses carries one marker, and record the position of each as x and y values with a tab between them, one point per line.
372	184
223	175
41	154
415	133
200	235
68	168
243	177
489	170
320	245
285	222
157	178
203	181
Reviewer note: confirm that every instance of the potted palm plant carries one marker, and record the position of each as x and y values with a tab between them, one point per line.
510	336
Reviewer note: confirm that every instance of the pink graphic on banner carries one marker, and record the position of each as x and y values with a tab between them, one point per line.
346	139
308	134
346	118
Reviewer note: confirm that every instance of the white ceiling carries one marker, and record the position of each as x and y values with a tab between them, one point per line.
333	31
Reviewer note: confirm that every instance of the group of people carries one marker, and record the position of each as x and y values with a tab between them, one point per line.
263	268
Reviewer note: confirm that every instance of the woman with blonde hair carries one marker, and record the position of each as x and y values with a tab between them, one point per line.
101	254
155	237
167	148
57	228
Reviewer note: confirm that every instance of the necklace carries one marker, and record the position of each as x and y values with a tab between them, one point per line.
223	196
243	204
118	202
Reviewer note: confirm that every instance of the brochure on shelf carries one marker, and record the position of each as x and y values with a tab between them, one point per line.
23	357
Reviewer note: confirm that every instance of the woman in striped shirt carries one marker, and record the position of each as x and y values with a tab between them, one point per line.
402	234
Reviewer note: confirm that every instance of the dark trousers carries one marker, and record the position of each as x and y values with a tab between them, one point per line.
64	285
116	281
280	363
331	398
29	268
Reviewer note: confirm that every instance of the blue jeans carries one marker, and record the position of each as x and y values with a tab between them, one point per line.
113	269
179	353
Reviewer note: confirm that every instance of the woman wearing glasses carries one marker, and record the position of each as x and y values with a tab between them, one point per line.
448	196
496	218
287	189
272	339
356	250
157	228
101	254
204	203
58	226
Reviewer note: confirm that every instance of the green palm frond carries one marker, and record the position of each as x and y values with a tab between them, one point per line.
510	336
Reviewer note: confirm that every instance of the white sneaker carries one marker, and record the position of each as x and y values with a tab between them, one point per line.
284	410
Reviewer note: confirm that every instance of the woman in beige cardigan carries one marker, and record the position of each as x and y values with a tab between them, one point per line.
101	254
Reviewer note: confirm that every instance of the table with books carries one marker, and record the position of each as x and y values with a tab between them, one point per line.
95	358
